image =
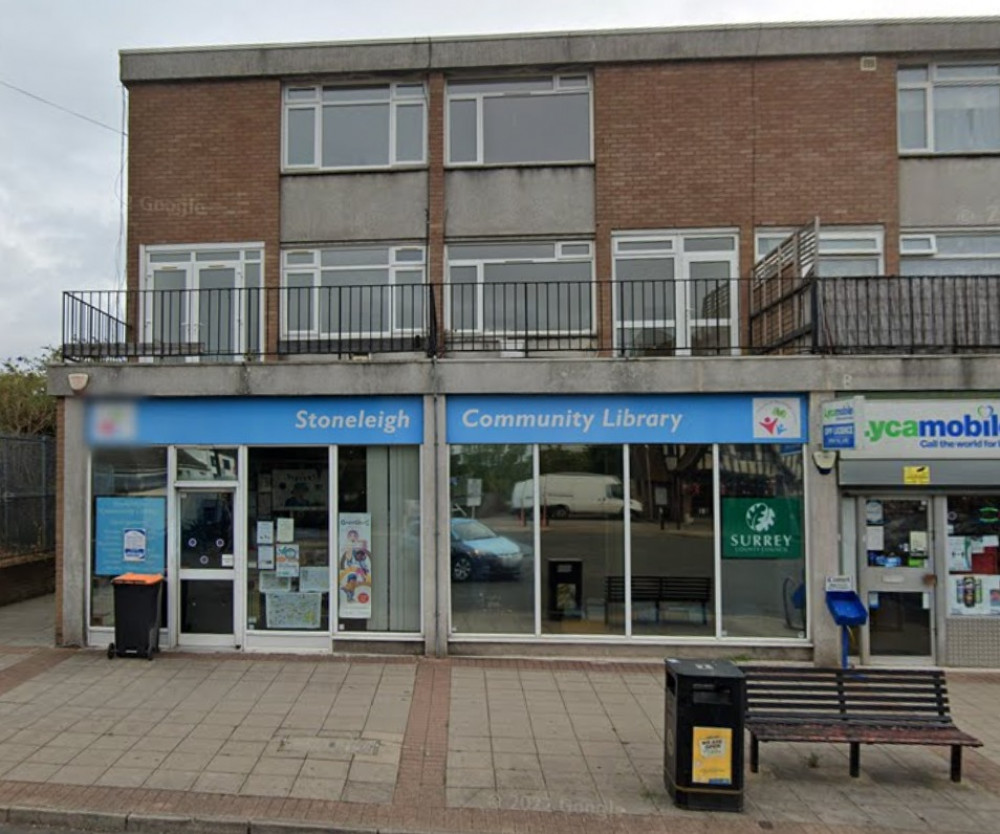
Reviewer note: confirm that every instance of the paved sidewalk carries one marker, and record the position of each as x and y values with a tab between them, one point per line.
28	623
421	745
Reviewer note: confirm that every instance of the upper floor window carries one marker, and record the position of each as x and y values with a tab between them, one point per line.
336	128
949	108
843	252
950	253
516	288
519	120
369	290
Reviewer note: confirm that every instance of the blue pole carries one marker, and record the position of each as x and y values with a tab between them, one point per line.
843	647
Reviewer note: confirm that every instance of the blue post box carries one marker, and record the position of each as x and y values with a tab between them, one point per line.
847	610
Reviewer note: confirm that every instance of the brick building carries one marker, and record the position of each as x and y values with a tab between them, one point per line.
592	342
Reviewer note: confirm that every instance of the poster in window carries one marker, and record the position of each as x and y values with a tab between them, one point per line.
294	610
299	488
355	566
315	578
130	536
960	553
265	532
286	530
286	559
270	582
974	595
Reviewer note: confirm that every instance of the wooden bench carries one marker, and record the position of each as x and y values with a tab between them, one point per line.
657	589
855	706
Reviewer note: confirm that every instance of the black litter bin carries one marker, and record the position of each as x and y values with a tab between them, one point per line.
703	750
137	615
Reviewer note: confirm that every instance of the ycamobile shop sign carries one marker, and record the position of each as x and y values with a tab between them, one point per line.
915	428
761	528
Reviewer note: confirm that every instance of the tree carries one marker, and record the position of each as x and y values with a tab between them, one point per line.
25	408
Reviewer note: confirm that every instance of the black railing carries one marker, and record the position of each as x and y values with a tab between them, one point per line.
650	317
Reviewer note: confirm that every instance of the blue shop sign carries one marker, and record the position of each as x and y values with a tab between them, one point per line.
257	421
657	418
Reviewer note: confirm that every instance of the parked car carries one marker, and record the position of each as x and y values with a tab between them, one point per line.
477	552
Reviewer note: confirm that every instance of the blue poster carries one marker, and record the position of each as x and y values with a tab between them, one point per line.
629	418
131	536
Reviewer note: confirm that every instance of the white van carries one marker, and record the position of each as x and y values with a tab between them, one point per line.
564	494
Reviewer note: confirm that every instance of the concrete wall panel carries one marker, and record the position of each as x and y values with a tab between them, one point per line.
340	207
949	191
520	201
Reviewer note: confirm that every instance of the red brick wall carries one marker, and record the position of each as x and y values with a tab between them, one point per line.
204	163
747	143
29	578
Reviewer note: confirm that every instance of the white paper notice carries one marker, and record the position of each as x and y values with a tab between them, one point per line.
875	538
959	557
918	543
265	532
286	529
265	556
269	582
314	579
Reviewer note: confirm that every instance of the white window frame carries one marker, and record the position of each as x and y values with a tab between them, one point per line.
395	264
561	85
670	244
827	235
930	238
170	259
561	254
928	86
316	104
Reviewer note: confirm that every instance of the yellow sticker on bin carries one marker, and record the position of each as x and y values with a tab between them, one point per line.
711	755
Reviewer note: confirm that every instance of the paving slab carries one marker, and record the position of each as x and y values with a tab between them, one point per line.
415	745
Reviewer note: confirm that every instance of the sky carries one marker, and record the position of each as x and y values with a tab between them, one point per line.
61	175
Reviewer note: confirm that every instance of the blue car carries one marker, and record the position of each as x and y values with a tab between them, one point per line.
479	553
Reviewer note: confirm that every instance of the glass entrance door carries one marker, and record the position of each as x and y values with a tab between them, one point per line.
207	561
897	578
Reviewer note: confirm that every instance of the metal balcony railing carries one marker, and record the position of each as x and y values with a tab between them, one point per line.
650	317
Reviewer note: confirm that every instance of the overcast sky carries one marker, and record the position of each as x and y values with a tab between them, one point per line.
60	217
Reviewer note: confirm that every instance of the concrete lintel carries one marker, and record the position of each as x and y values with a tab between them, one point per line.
418	56
561	375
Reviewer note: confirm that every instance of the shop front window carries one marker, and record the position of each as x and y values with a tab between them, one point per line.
673	540
288	559
973	555
195	464
378	539
763	549
491	540
582	500
128	523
